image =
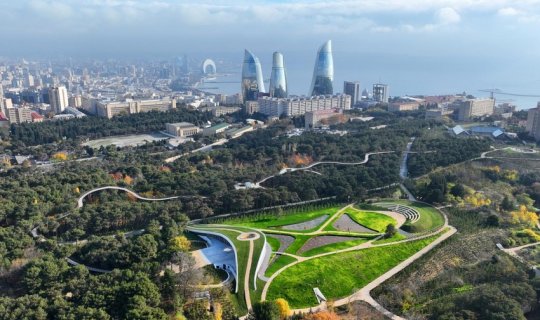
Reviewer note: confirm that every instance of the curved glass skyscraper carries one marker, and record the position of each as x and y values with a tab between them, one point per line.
323	73
278	79
252	79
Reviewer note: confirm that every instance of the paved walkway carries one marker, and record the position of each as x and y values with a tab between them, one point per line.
513	251
246	276
287	170
80	203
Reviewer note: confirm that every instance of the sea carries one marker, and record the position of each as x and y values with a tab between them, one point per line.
404	74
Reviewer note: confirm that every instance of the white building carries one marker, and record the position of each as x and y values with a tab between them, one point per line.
182	129
111	109
533	122
299	106
58	98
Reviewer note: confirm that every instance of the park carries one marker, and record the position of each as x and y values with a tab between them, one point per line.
314	254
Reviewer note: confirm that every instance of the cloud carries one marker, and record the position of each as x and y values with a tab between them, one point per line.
521	16
508	11
447	16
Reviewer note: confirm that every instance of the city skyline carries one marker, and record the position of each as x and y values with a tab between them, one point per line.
415	46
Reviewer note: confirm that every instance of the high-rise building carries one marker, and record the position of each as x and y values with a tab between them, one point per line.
533	122
2	105
252	79
58	98
352	89
323	72
471	108
380	92
278	78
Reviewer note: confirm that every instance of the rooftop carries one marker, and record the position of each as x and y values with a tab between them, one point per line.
182	124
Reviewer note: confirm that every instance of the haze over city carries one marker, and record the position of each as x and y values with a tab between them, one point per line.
269	160
418	47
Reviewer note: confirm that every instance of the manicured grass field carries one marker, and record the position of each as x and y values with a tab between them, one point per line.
298	243
430	218
334	247
372	220
394	238
279	263
274	243
339	275
271	220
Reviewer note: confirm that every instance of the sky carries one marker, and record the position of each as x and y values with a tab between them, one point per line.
496	42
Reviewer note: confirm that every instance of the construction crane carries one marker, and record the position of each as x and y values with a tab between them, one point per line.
499	91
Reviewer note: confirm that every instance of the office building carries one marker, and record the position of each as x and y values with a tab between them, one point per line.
111	109
352	89
182	129
290	107
380	92
403	106
2	104
471	108
278	78
19	115
250	107
252	78
75	101
58	98
323	72
319	118
533	122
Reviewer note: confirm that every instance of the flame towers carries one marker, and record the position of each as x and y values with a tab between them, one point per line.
252	79
323	73
278	79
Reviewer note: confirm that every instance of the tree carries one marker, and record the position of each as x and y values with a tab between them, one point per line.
218	311
458	190
284	309
180	243
507	203
264	310
390	230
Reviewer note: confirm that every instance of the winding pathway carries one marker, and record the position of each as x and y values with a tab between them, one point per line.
307	168
80	201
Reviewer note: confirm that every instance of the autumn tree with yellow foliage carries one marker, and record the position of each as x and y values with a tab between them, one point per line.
60	156
284	309
180	243
524	216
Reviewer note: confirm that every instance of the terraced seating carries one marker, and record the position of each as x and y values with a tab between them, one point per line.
408	212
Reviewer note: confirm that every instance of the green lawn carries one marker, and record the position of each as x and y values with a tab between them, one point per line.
279	263
274	243
299	241
394	238
430	218
372	220
339	275
270	220
334	247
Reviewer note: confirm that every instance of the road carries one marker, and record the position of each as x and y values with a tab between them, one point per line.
205	148
403	170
